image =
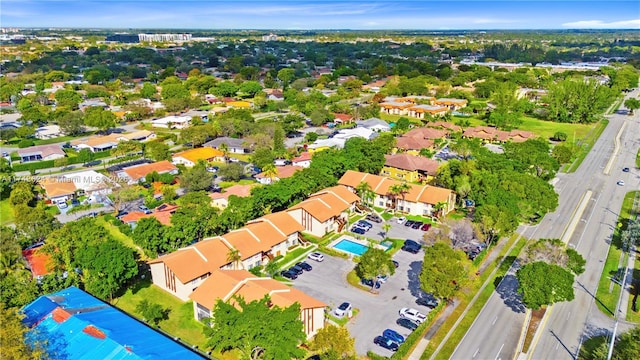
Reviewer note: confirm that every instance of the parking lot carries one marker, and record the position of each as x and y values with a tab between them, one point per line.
327	282
397	231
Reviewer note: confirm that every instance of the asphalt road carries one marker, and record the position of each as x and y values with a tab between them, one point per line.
496	331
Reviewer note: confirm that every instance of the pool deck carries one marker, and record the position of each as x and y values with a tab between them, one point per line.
363	242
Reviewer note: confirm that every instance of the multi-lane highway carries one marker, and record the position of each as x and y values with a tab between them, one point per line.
497	329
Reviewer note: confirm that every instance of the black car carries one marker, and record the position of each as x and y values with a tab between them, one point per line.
407	324
386	343
304	266
428	301
297	269
626	169
411	246
409	223
370	283
289	274
374	218
417	225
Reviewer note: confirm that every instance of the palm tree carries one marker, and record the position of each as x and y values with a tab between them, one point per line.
225	150
233	256
386	227
270	171
364	190
399	189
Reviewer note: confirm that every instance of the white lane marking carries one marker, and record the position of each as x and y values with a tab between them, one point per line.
476	353
568	315
494	321
498	354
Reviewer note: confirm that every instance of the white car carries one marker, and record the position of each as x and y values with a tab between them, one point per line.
413	315
382	278
62	205
401	219
316	256
620	182
343	309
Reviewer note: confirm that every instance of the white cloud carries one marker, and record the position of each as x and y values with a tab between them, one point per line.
599	24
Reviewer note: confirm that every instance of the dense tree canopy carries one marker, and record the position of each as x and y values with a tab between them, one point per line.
544	284
444	270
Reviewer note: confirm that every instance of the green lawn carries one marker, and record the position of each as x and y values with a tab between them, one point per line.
634	316
6	212
607	295
180	321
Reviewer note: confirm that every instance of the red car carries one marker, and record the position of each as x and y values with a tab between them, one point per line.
426	227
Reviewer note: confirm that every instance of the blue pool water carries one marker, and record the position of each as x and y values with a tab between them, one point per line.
351	247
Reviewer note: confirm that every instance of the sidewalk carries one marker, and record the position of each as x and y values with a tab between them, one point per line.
424	342
626	291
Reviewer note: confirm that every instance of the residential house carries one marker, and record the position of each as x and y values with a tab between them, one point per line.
342	118
92	103
410	168
283	173
324	144
40	153
221	199
303	160
77	325
107	142
234	146
325	211
47	132
191	157
172	122
395	107
422	200
421	111
58	189
239	104
362	132
374	124
182	271
275	95
91	183
162	213
452	104
38	261
137	173
226	285
445	125
140	135
417	139
491	134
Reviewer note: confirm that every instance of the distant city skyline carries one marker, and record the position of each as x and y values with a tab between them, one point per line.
323	14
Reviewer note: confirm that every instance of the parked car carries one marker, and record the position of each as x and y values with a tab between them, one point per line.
62	205
304	266
316	256
393	335
382	278
407	324
411	246
413	315
343	309
358	230
401	219
364	224
625	169
425	227
409	223
620	182
289	274
297	269
417	225
374	218
370	283
144	209
121	214
386	343
428	301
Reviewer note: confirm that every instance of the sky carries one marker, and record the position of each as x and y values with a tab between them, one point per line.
323	14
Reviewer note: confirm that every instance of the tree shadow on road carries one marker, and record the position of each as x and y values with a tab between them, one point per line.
508	291
414	278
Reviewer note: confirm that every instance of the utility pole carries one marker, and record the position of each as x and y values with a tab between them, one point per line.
625	248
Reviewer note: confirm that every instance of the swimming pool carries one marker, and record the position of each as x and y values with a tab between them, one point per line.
351	247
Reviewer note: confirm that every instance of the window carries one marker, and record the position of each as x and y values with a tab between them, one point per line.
408	210
381	203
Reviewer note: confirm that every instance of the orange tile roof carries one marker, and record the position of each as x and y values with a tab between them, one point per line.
225	284
448	101
193	261
426	133
136	173
446	125
203	153
237	190
382	185
282	220
412	163
411	143
283	171
328	203
38	260
55	186
305	156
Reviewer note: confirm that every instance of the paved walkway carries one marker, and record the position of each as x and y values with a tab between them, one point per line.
626	293
424	342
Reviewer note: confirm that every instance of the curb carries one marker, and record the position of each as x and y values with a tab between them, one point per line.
538	334
523	334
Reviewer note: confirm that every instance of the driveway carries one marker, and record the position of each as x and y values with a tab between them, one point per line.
327	282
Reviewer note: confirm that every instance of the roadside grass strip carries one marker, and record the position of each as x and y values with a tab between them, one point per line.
609	287
514	245
586	145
